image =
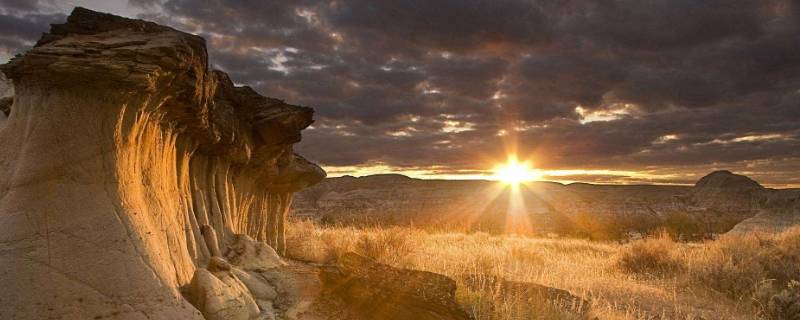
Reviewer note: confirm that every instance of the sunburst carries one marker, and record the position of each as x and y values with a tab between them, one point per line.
514	172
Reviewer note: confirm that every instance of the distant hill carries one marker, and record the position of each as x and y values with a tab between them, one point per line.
715	204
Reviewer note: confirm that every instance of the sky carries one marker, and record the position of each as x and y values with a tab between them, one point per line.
611	91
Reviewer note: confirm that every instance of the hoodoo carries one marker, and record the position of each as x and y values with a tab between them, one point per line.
130	172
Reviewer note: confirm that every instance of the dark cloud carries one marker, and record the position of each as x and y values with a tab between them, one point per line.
21	30
669	88
668	24
469	76
12	6
566	80
451	25
657	89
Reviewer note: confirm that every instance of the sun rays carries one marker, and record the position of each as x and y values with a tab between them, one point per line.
514	172
506	208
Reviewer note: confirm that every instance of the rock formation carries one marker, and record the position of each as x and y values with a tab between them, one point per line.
373	290
715	204
130	172
780	211
725	191
6	97
754	207
526	293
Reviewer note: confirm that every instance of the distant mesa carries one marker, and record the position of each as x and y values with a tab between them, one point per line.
386	177
724	179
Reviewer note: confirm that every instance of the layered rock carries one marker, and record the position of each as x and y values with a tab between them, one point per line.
119	148
780	211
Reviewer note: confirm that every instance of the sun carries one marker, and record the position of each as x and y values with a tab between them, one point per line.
514	172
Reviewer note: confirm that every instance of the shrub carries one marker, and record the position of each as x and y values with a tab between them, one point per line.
303	242
652	256
785	304
678	224
391	246
750	266
785	263
730	265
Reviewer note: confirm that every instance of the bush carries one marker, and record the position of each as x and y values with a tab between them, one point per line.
653	256
682	224
390	246
785	265
785	304
308	242
303	242
749	267
731	265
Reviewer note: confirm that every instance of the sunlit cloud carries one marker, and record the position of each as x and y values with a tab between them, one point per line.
666	138
613	112
747	138
759	137
451	126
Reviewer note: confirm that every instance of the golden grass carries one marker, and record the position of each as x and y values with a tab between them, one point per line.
655	278
654	256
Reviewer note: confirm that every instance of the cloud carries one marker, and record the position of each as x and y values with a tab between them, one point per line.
13	6
21	31
656	25
418	26
453	84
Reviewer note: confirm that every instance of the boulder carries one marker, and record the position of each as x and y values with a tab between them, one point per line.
219	295
256	284
527	292
372	290
248	254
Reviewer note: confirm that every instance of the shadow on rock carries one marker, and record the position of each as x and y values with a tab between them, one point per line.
526	293
372	290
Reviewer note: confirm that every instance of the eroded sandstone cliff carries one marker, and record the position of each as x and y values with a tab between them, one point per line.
6	97
126	165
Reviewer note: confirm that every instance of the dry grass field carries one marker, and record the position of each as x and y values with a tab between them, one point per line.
749	277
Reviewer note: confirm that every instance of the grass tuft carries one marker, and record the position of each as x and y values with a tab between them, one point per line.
656	257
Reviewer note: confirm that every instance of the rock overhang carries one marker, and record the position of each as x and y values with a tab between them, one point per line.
125	56
129	168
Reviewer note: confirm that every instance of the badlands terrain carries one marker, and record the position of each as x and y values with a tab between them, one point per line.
725	248
719	202
138	183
